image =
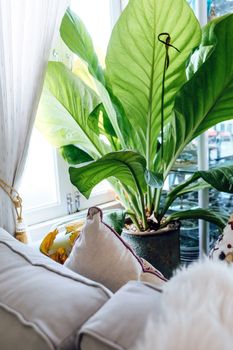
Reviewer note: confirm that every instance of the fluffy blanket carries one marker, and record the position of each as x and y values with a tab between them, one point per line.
197	309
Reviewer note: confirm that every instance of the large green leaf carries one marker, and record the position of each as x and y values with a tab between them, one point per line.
59	127
204	214
64	110
135	63
220	178
77	38
111	112
127	166
207	98
114	111
74	155
154	180
100	123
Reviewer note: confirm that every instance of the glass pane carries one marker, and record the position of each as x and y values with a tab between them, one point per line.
221	143
39	185
97	19
219	7
192	3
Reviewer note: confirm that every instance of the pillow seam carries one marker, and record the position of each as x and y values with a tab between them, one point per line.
100	337
48	268
26	323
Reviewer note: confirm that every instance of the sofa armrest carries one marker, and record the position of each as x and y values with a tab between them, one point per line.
43	305
121	322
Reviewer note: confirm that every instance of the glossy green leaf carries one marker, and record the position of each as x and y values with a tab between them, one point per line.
114	110
204	214
111	112
59	127
197	59
154	180
100	123
66	97
74	155
135	62
207	98
127	166
201	185
220	178
77	38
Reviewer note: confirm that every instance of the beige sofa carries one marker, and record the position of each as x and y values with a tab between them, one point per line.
44	305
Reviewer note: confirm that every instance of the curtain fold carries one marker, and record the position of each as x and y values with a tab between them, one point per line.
27	31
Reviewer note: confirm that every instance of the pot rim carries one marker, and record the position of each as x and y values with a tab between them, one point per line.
172	227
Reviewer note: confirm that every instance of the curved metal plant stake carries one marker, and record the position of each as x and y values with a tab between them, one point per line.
166	65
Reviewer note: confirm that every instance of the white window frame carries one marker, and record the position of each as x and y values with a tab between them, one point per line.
59	209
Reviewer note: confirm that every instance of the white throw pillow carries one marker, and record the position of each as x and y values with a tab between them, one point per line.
102	255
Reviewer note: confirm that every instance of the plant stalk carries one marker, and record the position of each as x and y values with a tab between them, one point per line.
174	193
166	62
149	200
157	197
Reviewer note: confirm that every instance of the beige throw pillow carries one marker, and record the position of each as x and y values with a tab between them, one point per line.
102	255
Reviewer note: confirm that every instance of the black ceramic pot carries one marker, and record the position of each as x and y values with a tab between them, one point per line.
160	248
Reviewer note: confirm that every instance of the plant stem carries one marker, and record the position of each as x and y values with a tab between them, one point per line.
174	193
150	109
144	219
166	65
157	197
162	103
133	201
113	144
149	199
135	221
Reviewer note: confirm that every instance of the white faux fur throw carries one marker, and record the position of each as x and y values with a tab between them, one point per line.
197	312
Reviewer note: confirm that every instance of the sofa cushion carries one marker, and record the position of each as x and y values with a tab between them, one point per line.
121	322
42	304
102	255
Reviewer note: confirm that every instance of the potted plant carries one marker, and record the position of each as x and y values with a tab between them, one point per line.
164	84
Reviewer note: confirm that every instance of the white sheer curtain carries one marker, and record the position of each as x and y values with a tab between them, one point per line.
27	29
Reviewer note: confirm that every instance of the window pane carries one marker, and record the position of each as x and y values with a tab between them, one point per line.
97	19
219	7
192	3
39	185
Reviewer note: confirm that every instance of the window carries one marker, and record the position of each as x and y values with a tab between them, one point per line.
46	190
98	22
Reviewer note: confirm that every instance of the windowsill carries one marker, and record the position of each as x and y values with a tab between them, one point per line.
38	231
